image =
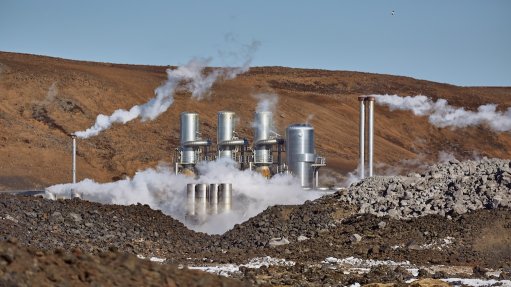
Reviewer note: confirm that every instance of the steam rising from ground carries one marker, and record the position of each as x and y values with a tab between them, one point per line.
161	189
190	77
441	114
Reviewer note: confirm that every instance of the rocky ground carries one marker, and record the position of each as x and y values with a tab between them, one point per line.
383	229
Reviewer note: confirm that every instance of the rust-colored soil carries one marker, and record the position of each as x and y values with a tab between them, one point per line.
43	99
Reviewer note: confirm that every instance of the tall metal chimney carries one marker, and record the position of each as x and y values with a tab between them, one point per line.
361	136
370	125
74	158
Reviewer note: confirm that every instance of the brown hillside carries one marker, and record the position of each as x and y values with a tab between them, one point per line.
43	99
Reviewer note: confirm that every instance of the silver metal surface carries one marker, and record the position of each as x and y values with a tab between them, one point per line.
190	199
263	128
361	137
213	198
201	200
74	159
224	197
225	132
300	152
370	135
189	133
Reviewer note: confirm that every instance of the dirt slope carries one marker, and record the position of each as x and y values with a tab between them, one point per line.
43	99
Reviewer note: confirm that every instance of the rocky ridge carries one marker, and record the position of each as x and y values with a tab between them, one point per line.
453	187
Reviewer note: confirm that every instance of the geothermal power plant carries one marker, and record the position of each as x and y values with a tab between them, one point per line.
269	154
264	155
215	198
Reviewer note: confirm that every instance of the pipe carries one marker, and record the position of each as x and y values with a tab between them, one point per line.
279	155
197	143
267	142
361	137
224	197
74	158
206	150
370	127
316	174
213	198
233	143
190	199
201	201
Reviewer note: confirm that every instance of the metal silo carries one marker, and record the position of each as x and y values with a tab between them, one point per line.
225	132
300	153
189	133
263	127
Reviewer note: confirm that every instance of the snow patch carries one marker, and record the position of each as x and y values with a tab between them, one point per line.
255	263
477	282
152	259
361	266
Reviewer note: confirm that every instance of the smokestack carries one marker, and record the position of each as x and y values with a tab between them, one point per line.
361	99
370	136
73	136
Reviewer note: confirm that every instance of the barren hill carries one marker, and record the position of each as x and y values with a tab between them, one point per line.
43	99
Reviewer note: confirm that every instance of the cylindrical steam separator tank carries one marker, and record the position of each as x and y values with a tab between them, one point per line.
300	153
189	133
263	127
225	132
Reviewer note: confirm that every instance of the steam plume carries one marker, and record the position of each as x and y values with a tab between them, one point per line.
441	114
161	189
267	103
190	77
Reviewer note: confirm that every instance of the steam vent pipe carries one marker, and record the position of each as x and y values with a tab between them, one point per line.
74	158
362	137
370	126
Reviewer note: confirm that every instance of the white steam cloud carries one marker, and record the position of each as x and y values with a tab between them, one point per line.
441	114
266	102
161	189
190	77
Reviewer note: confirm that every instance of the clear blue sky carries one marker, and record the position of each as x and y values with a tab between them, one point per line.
457	41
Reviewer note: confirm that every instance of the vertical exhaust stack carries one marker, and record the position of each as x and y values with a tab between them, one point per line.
201	201
190	199
366	102
370	127
73	169
204	200
225	197
361	135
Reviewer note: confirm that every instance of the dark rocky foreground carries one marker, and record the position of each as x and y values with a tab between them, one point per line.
471	230
28	266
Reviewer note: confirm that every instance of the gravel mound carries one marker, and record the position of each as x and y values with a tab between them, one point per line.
21	266
94	227
454	187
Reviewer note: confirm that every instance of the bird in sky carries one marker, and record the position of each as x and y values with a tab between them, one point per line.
393	12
